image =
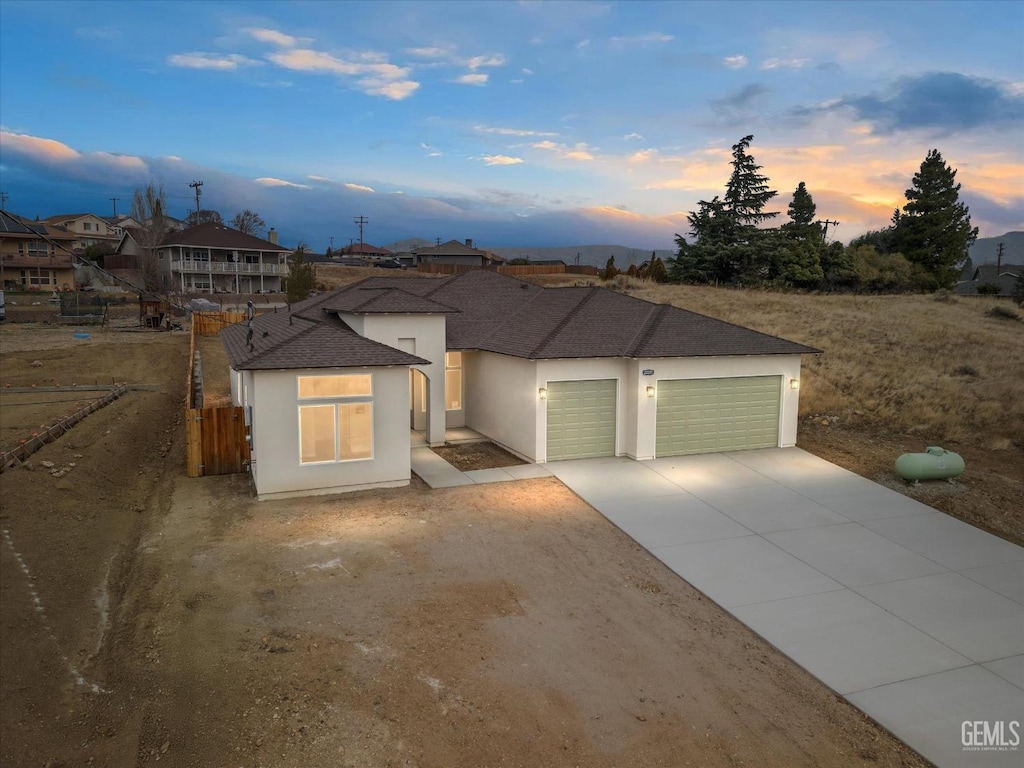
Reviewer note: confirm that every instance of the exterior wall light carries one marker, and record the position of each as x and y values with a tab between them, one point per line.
794	383
650	392
542	393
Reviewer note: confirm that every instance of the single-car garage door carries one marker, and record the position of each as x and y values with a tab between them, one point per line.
581	419
709	415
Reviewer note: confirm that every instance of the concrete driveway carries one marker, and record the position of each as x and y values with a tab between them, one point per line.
911	615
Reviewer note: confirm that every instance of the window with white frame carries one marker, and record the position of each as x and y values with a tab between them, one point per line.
336	419
453	381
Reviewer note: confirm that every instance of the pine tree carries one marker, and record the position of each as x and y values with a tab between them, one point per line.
610	270
299	283
934	230
747	192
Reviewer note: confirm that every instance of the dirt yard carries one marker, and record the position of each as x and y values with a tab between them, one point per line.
147	617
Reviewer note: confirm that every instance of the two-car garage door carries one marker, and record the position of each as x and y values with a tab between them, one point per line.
693	416
710	415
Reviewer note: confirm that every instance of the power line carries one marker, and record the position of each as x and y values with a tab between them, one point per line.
196	186
824	231
360	220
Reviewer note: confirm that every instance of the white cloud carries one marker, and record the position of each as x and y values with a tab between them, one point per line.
431	152
651	37
492	60
643	156
785	63
359	188
501	160
578	151
38	148
201	60
274	37
526	71
269	181
472	79
434	52
633	137
510	131
377	77
739	61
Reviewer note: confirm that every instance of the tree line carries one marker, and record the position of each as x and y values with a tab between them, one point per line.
923	249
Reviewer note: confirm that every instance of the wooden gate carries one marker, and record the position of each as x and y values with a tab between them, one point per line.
216	441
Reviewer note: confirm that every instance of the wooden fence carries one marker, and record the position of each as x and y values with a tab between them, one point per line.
516	270
216	439
211	323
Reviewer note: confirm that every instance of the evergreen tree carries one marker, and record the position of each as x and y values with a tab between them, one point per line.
610	270
934	230
837	267
747	192
798	257
299	282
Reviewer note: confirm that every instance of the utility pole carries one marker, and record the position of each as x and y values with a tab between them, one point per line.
360	220
437	241
824	231
3	200
114	201
999	259
332	243
196	186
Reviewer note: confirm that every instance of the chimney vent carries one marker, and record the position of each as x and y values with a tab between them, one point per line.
272	236
469	242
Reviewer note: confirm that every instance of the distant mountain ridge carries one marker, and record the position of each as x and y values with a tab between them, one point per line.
985	249
592	255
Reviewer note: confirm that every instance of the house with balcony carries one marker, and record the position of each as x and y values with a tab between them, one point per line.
88	229
35	256
214	258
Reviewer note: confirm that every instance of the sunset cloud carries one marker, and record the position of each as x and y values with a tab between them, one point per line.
472	79
376	76
359	188
270	181
501	160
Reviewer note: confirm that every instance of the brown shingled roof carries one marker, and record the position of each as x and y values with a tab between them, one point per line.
285	340
492	312
214	235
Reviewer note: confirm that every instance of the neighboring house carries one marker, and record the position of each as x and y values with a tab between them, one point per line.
1002	276
335	385
363	251
214	258
35	256
120	223
454	252
88	229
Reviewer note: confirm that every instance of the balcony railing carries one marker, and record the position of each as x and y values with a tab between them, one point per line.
227	268
59	261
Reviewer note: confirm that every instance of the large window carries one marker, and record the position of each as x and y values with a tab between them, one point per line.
341	430
453	381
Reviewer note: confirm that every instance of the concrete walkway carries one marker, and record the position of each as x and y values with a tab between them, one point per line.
913	616
438	473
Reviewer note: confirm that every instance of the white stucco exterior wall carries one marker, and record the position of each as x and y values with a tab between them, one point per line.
501	400
275	430
429	334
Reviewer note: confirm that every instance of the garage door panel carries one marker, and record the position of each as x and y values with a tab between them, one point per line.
709	415
581	419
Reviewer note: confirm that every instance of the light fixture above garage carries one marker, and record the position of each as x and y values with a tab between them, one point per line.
794	383
650	391
542	393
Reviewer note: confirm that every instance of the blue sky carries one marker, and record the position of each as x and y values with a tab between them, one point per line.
516	124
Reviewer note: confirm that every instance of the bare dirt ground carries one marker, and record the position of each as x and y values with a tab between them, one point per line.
482	455
147	617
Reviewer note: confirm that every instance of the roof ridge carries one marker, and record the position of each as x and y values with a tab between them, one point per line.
565	320
258	355
647	330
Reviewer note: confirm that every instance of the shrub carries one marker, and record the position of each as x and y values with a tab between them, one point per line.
1003	313
965	370
946	297
988	289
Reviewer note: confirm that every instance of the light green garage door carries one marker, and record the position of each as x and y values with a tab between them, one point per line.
581	419
709	415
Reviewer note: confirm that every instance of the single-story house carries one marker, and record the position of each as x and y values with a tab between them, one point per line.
335	385
454	252
1002	276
